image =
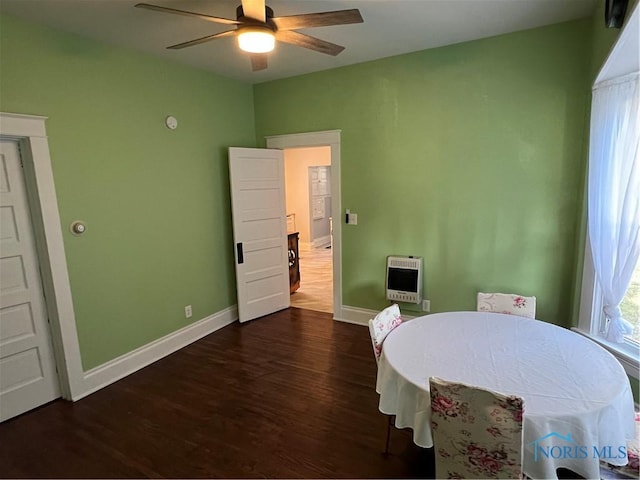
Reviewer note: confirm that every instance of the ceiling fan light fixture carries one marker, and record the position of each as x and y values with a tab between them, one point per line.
256	39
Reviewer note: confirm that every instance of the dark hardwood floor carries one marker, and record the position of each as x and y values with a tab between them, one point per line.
291	395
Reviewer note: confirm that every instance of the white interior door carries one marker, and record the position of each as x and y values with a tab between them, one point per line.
259	231
27	366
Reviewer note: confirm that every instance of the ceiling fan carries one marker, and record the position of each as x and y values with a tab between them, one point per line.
257	29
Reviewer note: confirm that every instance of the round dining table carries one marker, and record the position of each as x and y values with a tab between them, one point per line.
577	396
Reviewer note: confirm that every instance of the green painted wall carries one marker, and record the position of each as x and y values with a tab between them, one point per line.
468	155
156	202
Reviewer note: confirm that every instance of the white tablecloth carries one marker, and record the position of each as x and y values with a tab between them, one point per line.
570	385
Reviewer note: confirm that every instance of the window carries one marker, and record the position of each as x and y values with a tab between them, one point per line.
614	205
592	321
596	323
630	306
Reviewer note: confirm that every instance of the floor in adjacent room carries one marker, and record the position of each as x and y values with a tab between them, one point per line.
316	279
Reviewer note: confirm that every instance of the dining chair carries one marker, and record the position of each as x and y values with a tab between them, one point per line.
510	303
379	327
632	468
477	433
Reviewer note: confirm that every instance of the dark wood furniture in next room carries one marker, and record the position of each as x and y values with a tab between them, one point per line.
294	264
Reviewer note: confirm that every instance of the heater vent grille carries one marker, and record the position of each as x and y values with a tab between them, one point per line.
404	279
404	262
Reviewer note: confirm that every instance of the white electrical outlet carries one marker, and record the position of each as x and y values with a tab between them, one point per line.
426	305
187	311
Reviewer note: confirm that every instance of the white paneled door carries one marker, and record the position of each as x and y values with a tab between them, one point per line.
259	230
27	366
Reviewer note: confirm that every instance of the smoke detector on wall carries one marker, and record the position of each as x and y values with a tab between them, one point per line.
171	122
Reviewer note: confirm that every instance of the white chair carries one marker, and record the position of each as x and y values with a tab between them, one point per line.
477	433
510	303
381	325
379	328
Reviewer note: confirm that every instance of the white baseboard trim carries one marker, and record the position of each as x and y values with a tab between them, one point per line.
361	316
356	315
113	370
322	241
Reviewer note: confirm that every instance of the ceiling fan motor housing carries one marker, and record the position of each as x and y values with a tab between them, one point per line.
240	13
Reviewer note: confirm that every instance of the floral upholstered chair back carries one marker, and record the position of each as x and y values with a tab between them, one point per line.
476	433
510	303
381	325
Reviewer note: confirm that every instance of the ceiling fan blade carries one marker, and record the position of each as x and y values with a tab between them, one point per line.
323	19
258	61
208	38
307	41
254	9
209	18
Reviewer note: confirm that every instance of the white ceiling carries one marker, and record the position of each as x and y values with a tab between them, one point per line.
390	27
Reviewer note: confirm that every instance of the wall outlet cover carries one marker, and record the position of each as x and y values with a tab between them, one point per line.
426	305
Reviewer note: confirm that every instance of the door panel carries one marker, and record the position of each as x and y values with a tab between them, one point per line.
27	367
259	225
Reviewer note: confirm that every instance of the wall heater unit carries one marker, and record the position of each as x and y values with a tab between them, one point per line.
404	279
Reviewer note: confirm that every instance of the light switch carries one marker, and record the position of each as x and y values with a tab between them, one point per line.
353	219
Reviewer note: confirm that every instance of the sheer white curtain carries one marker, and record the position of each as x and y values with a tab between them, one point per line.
614	193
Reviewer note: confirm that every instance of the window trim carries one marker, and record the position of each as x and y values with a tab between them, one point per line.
588	325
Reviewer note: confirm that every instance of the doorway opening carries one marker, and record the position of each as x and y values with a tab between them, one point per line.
308	207
330	139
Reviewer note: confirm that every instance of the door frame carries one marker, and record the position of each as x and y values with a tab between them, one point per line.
325	138
30	133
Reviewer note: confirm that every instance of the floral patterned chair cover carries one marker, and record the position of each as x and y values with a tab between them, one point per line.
476	433
512	304
379	328
632	468
381	325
